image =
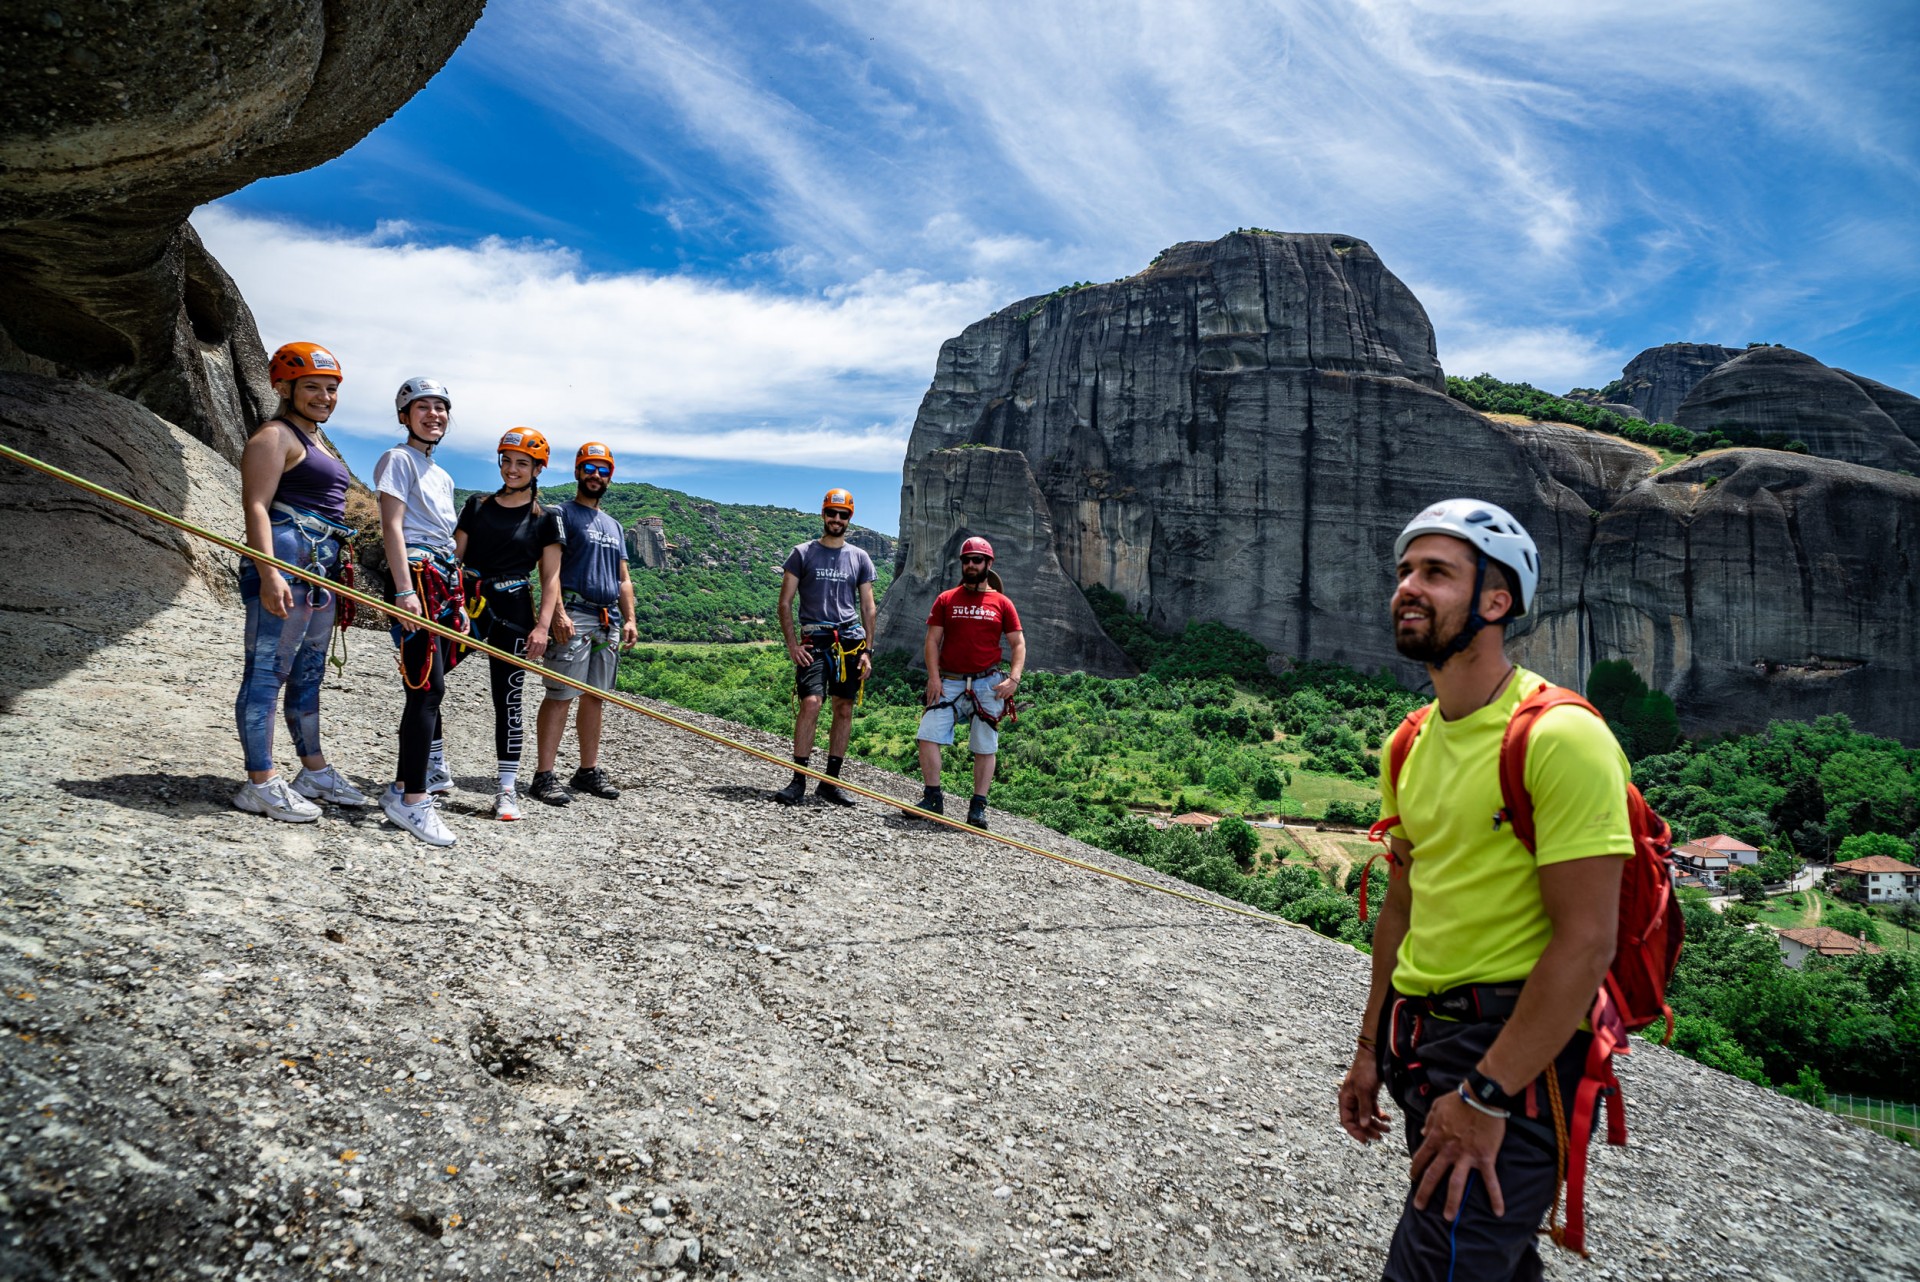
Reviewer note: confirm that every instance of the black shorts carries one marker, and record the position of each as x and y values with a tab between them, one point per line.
821	678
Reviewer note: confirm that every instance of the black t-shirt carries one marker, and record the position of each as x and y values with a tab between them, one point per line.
506	540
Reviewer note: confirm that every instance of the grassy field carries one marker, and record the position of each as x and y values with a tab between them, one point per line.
1890	1118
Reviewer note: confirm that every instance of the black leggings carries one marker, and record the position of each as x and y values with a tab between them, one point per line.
504	624
423	663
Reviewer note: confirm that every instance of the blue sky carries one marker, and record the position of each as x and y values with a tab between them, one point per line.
729	238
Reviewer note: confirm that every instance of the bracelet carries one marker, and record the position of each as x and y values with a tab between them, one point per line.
1477	1106
408	592
1366	1042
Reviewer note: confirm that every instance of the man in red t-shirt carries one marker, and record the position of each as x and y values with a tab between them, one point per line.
963	675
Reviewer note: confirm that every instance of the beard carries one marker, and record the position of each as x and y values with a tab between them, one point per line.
593	485
1426	643
973	574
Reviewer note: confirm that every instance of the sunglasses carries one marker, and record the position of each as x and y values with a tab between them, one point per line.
595	469
973	560
835	514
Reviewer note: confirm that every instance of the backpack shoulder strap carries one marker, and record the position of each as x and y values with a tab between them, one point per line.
1401	745
1514	797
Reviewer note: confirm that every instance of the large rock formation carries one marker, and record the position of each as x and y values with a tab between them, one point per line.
1774	391
1239	432
1658	379
120	120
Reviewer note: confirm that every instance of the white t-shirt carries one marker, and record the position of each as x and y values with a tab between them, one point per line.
426	489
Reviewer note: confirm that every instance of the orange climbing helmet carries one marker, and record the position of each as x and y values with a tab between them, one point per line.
297	360
838	499
525	440
593	450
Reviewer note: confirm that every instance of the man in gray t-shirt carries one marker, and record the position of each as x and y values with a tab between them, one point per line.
833	581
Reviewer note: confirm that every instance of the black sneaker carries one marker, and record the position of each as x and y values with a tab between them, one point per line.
831	792
932	802
592	779
791	794
977	813
550	790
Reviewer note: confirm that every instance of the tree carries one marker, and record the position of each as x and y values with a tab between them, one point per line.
1746	883
1804	802
1809	1089
1222	781
1643	720
1237	839
1853	921
1865	845
1778	866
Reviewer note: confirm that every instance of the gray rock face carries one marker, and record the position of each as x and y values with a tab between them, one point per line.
1752	584
1239	433
1902	407
120	120
1658	379
992	493
647	543
1775	390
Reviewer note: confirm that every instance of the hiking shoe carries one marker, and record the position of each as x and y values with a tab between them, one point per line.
831	792
439	778
977	813
592	779
506	806
328	784
421	818
932	802
791	794
549	789
275	800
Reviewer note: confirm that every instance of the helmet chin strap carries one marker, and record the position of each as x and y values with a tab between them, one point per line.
426	446
1474	623
516	489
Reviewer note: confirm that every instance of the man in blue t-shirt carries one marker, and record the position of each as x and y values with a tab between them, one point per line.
833	581
590	633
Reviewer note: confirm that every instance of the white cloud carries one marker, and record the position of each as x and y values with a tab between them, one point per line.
1553	357
657	365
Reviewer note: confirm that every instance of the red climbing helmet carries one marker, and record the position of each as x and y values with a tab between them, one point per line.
296	360
977	546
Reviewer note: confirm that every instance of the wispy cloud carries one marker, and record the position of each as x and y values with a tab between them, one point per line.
667	366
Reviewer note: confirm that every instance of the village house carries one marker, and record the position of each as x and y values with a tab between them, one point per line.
1883	879
1716	854
1798	942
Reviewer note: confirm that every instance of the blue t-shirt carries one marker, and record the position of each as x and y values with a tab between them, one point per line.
592	549
829	591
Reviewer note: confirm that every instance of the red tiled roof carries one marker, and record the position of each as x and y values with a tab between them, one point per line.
1875	863
1194	819
1827	941
1694	850
1720	841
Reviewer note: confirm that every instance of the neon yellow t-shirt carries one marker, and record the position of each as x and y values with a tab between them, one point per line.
1476	914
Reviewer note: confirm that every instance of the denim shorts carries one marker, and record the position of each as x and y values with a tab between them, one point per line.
937	725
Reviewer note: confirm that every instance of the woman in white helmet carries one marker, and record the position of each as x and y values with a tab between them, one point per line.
417	526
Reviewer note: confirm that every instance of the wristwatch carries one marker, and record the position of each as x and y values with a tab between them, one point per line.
1484	1090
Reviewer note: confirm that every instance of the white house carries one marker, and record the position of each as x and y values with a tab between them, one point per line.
1799	941
1884	878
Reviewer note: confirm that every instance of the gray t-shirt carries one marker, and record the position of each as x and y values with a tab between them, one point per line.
427	491
830	580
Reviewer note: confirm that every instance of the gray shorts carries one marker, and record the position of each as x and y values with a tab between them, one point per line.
592	655
937	724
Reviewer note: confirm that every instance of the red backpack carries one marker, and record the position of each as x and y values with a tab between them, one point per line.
1634	993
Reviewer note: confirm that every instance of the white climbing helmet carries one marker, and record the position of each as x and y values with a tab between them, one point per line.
414	388
1489	528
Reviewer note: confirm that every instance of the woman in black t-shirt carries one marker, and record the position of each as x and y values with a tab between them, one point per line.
502	538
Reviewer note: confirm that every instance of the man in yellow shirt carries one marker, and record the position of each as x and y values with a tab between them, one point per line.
1485	957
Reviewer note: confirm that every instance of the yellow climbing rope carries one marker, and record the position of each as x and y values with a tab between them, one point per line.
771	758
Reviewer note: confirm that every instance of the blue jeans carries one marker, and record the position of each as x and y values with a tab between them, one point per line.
289	652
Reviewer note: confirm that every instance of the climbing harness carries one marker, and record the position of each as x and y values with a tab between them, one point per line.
449	633
438	580
1008	714
573	600
840	653
316	531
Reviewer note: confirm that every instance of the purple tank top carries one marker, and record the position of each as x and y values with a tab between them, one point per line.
317	482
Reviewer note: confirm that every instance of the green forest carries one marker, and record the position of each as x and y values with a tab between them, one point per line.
723	583
1213	724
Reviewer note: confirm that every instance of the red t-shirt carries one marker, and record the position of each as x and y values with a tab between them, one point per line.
974	622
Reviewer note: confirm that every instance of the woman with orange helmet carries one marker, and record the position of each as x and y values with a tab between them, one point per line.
293	490
502	539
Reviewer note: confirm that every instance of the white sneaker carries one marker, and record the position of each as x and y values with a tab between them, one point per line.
328	784
439	778
420	819
506	806
276	801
